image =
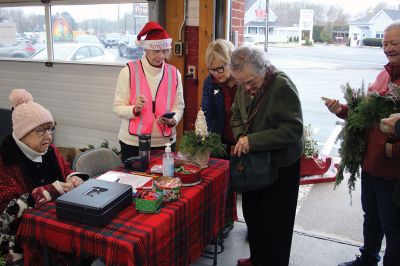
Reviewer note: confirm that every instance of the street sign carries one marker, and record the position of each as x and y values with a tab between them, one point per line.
306	22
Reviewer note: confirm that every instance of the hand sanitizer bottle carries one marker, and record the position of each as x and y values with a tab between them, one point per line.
168	161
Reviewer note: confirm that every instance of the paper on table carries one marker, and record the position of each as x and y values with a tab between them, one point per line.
129	179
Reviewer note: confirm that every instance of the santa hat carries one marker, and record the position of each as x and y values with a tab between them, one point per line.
156	37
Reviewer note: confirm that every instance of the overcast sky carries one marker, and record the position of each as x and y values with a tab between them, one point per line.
355	6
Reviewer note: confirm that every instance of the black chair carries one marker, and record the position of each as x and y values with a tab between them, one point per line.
5	124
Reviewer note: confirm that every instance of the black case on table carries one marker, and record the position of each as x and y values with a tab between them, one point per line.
95	202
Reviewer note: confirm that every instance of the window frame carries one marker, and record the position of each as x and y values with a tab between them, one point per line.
48	22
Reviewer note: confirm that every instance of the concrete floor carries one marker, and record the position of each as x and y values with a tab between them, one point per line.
328	229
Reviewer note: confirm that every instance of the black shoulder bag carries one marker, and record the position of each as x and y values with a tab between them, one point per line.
254	170
396	194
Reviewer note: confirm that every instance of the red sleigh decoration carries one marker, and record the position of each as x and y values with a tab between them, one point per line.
312	170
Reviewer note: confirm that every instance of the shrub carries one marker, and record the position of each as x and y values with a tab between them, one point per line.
317	29
372	42
326	34
308	42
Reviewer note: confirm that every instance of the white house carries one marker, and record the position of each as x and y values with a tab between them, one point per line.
254	24
371	26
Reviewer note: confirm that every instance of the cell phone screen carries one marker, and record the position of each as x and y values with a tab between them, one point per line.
325	99
168	115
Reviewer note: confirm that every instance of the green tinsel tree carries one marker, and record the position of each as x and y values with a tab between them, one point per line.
365	110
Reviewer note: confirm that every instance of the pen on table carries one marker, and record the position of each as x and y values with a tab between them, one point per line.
144	188
117	180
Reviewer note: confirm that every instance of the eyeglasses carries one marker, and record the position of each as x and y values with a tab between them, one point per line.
219	70
249	83
40	131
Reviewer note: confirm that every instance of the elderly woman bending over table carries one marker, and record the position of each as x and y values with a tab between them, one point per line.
269	99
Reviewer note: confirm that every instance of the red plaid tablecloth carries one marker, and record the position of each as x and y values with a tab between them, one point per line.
175	236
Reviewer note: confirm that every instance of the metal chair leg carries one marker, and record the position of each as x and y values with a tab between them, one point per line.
218	241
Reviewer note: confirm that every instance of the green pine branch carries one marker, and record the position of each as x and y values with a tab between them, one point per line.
364	111
194	144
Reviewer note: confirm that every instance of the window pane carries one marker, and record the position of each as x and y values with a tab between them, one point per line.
94	51
104	25
22	31
81	53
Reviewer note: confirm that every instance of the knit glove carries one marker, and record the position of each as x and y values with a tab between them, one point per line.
47	193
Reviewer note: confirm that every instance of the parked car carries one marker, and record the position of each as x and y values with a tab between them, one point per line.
88	39
77	52
101	37
248	41
127	47
112	39
22	49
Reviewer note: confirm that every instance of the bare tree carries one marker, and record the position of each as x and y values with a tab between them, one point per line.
336	16
374	10
288	13
378	7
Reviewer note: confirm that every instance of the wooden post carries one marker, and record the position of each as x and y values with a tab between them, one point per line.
206	35
173	19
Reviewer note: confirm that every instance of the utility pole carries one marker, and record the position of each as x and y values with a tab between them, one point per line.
266	25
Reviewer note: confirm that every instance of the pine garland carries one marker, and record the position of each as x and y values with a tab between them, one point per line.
364	111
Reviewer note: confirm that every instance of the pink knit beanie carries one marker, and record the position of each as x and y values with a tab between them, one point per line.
27	115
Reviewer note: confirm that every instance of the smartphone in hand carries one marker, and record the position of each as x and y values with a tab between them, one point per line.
325	99
168	115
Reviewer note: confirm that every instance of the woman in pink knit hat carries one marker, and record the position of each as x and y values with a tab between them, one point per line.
32	171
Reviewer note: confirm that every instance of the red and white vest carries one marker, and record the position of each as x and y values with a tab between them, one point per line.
164	100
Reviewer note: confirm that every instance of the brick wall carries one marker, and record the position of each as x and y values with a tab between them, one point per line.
237	18
191	85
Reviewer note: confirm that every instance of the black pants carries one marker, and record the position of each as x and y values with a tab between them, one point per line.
381	217
129	150
269	214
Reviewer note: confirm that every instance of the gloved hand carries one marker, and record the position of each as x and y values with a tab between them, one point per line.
50	192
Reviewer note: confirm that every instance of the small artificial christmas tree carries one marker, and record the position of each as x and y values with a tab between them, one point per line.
199	142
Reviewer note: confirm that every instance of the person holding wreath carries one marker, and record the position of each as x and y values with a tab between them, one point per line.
380	168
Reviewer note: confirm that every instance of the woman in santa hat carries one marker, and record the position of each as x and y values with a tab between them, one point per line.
146	90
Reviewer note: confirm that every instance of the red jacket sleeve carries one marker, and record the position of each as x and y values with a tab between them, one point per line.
63	164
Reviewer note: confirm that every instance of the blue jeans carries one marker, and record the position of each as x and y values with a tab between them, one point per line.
381	217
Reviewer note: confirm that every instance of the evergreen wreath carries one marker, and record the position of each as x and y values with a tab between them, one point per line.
365	110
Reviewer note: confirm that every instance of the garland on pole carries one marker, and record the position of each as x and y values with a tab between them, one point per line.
365	110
